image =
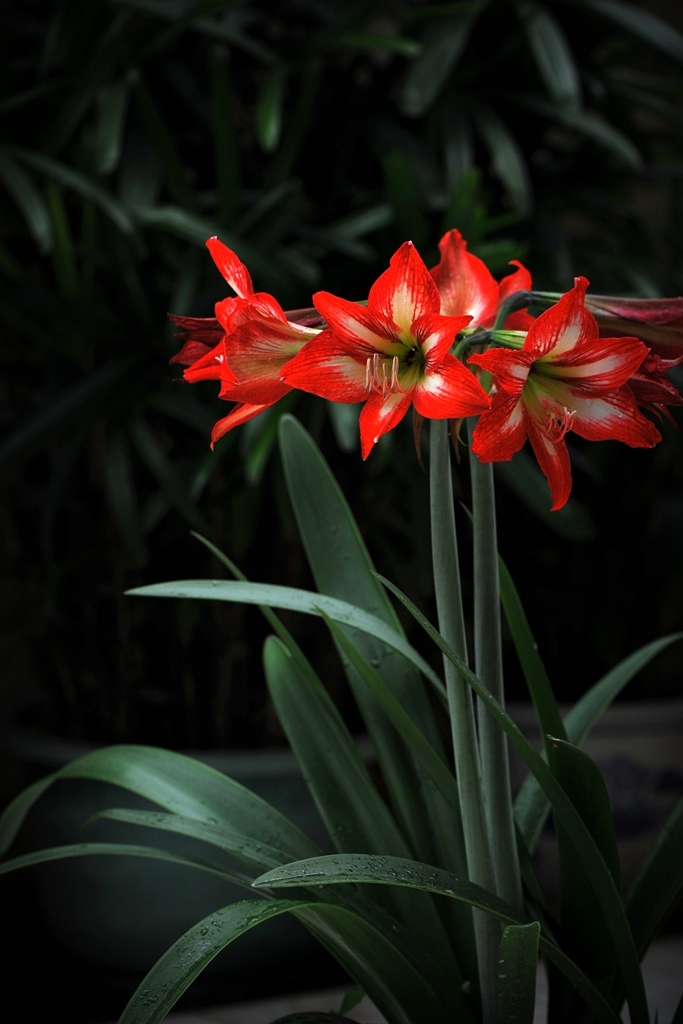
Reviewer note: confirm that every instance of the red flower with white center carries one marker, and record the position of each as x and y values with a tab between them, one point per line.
466	285
252	340
564	378
390	354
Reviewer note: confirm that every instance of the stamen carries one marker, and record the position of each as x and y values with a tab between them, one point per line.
385	380
375	370
559	422
395	386
368	377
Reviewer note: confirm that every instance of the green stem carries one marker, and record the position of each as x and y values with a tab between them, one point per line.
466	753
489	668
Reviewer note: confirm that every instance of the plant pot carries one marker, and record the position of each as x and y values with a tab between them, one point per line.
124	912
638	746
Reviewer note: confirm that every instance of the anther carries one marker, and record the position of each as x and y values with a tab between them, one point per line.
394	374
368	377
385	380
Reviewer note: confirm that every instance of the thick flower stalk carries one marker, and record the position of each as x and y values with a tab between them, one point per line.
564	378
390	354
244	347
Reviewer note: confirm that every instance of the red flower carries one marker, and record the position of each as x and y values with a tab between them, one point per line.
392	353
466	285
657	322
245	346
652	388
564	378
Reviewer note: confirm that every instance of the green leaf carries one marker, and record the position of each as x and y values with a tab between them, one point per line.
76	401
567	816
344	419
394	871
586	934
443	44
507	159
63	256
79	183
46	856
354	814
531	806
269	109
178	784
415	740
374	41
526	480
112	104
658	883
404	195
642	23
594	126
28	199
517	975
540	690
552	54
305	601
352	998
164	143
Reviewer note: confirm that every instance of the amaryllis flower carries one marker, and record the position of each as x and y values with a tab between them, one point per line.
466	285
652	388
390	354
244	347
564	378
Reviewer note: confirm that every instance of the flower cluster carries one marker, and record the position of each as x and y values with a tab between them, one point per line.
535	378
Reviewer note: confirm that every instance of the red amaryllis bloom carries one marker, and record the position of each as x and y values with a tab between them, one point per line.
466	285
564	378
392	353
652	388
657	322
252	340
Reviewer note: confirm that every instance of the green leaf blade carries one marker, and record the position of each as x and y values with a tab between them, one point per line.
517	973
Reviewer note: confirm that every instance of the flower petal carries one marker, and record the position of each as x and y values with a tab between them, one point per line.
597	366
240	414
435	334
553	458
211	366
198	328
564	326
501	430
519	281
327	367
231	267
465	283
510	368
256	352
355	324
612	417
191	351
451	391
405	291
380	414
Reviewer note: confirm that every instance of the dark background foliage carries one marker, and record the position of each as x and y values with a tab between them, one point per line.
313	137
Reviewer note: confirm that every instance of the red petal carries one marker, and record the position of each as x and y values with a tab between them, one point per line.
613	417
405	291
450	392
647	311
190	352
379	415
564	326
465	283
356	325
553	458
226	310
519	321
240	414
501	431
509	367
211	366
519	281
325	367
597	366
257	351
435	334
231	267
200	328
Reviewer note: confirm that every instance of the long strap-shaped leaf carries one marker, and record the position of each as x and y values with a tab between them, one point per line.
178	784
296	600
342	568
393	983
517	973
353	811
598	873
395	871
658	882
531	806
